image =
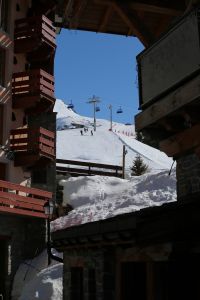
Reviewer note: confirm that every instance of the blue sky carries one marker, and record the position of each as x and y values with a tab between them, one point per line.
104	65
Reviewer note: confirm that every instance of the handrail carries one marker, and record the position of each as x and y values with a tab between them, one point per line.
87	168
33	27
33	140
33	82
88	164
21	200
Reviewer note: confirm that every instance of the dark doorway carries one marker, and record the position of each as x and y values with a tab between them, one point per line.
133	281
2	171
76	292
3	266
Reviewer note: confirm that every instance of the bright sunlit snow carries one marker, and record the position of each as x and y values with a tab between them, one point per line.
96	197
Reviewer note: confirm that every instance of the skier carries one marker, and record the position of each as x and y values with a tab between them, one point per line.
81	131
91	132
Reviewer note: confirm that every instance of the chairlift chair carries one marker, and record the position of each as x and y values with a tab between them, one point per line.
71	105
97	108
119	111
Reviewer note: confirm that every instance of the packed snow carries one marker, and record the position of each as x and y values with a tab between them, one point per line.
36	280
104	146
96	197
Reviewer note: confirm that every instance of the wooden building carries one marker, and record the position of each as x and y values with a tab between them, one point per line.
27	131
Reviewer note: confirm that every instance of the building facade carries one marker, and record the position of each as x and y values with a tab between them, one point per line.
27	130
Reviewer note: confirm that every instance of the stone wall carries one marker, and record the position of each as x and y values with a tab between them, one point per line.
100	264
188	177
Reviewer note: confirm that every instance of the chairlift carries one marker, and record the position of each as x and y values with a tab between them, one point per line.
71	105
97	108
119	111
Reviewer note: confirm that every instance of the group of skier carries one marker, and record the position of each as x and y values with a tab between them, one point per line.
85	130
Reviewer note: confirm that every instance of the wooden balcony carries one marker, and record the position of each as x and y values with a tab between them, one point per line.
32	144
20	200
32	87
34	33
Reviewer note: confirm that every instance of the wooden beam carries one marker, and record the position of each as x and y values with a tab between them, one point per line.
175	100
78	10
108	13
156	9
68	11
133	22
182	142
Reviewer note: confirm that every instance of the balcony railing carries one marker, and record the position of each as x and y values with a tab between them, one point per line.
31	86
31	32
21	200
38	141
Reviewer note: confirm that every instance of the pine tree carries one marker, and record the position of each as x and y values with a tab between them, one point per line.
139	167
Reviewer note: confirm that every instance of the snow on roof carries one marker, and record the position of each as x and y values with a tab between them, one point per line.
96	198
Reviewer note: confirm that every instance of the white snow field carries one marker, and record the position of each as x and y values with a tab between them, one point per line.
96	197
104	146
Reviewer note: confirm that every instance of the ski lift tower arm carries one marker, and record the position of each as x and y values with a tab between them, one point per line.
93	101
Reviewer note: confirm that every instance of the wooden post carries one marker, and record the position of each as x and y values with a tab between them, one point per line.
123	162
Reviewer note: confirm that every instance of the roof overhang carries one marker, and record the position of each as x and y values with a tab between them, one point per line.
171	222
144	19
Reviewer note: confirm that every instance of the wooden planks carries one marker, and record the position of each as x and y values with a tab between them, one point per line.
173	101
177	144
88	168
22	200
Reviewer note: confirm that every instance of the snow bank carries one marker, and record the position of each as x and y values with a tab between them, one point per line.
95	198
36	280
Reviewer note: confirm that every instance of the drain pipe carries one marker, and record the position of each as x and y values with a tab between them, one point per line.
53	256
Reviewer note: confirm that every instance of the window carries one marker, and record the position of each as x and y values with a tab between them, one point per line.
133	281
4	14
91	284
2	66
76	289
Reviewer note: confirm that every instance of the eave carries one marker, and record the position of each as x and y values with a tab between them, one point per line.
153	225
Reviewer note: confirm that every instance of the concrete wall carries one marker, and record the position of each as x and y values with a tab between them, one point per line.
47	121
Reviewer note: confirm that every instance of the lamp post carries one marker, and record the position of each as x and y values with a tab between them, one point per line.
48	210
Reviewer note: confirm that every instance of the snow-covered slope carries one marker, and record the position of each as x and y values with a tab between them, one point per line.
95	198
104	146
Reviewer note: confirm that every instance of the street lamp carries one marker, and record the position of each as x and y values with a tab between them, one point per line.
48	210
